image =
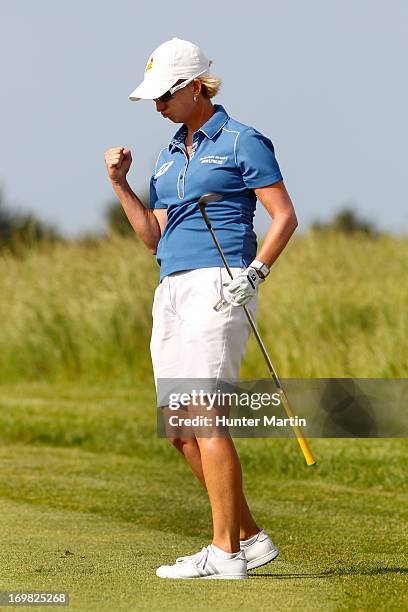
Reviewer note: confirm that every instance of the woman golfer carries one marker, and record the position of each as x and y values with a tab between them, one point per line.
210	152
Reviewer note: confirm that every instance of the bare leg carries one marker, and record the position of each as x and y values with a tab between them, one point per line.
189	448
223	478
228	501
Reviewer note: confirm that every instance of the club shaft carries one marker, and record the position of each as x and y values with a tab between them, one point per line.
303	443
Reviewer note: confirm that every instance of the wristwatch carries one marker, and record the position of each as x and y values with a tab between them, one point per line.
261	268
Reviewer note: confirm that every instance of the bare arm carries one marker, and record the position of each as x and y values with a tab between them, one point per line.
277	202
161	216
143	220
148	224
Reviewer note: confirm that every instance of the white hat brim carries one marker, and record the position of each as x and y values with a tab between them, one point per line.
150	90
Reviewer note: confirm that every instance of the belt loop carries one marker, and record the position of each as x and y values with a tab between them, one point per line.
220	276
171	304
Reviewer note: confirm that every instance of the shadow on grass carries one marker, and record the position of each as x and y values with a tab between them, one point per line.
346	571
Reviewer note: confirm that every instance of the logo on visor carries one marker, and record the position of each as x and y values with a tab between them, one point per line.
163	169
149	65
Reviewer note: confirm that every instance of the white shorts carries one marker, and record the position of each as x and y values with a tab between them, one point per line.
189	338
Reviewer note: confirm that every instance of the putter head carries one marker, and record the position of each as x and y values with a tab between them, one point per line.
207	198
202	203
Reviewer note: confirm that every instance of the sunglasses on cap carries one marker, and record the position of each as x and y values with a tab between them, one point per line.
170	93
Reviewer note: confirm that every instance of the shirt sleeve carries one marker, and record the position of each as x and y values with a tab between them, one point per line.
255	158
154	200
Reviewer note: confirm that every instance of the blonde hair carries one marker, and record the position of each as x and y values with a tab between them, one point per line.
210	86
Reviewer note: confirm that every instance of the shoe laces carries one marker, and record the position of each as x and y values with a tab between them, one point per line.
202	559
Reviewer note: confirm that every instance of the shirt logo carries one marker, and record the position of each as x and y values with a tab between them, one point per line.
163	169
214	159
149	65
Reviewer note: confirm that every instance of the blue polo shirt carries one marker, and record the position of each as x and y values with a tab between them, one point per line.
228	158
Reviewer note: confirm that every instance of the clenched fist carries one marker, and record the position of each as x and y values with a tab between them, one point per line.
118	161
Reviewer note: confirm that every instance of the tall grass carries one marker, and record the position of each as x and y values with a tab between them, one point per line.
333	306
337	306
76	311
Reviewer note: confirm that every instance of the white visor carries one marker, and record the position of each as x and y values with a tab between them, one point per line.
151	90
172	61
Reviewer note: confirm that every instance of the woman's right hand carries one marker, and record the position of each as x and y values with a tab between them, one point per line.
118	161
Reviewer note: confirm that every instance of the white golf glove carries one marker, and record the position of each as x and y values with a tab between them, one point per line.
242	289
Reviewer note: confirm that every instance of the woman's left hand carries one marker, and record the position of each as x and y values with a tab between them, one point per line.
242	289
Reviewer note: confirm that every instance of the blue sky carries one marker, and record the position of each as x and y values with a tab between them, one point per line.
325	80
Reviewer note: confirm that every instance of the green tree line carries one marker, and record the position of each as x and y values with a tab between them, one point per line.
19	230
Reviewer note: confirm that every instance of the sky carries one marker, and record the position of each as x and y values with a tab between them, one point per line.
324	79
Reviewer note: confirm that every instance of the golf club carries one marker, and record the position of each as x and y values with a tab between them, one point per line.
303	443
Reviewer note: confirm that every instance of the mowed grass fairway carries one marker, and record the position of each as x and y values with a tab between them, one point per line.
91	501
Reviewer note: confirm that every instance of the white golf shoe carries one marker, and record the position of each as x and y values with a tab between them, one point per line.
259	550
206	564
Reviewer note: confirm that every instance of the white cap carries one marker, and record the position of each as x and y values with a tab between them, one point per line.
173	60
